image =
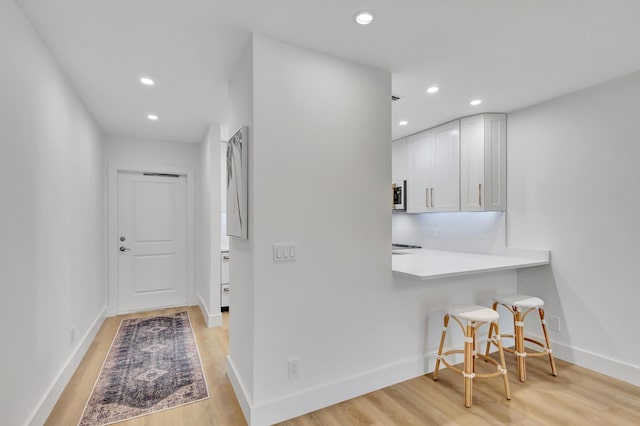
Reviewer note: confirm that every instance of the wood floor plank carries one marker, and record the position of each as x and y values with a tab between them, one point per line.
575	396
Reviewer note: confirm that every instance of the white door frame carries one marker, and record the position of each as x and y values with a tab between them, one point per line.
112	233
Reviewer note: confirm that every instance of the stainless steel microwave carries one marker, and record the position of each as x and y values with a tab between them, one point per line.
399	192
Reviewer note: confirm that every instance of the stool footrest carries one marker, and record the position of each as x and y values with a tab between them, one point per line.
499	372
529	352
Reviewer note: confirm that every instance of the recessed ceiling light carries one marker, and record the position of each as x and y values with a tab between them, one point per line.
147	81
403	123
433	89
152	117
364	17
476	102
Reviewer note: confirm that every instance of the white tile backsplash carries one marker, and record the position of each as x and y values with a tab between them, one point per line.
475	232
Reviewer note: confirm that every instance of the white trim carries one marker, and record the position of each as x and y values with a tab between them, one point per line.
305	401
308	400
599	363
112	213
48	401
312	399
212	320
239	389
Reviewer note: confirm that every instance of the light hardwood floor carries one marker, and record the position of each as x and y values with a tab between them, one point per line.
576	397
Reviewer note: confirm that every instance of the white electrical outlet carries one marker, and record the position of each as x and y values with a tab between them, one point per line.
294	368
554	323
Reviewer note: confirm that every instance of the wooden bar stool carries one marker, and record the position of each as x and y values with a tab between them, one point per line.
470	317
516	304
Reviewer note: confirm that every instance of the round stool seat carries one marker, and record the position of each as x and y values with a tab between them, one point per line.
473	313
519	300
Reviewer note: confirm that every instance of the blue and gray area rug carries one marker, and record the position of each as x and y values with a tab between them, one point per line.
153	365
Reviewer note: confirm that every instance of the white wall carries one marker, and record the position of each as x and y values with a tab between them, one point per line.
573	185
131	150
207	227
318	176
52	275
321	177
241	316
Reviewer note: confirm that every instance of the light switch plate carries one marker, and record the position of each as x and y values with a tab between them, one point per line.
284	252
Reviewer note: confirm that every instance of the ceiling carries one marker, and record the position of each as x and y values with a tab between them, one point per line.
509	53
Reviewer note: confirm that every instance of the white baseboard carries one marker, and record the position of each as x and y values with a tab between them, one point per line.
307	400
596	362
239	389
212	320
48	401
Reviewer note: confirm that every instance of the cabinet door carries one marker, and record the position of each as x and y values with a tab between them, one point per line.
418	179
483	163
225	290
225	258
445	168
472	163
495	165
399	161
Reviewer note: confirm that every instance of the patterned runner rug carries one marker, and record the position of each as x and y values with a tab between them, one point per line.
153	365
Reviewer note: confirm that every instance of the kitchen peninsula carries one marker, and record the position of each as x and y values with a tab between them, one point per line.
427	264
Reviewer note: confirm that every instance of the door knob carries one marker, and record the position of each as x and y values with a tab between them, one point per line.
122	248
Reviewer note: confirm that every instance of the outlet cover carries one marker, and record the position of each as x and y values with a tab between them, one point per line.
554	323
294	368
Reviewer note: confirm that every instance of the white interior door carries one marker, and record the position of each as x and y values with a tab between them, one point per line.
152	250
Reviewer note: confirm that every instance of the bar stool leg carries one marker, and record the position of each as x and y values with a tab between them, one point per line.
469	361
486	352
444	334
505	379
546	341
520	350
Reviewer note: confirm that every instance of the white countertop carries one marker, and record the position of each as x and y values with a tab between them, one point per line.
426	264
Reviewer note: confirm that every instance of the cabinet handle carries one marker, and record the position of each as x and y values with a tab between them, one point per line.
226	290
426	198
225	257
431	197
480	194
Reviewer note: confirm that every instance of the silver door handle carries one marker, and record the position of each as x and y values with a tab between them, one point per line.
431	197
122	248
480	194
426	197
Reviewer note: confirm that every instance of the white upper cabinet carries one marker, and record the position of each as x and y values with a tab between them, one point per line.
483	162
444	195
418	179
433	170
